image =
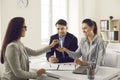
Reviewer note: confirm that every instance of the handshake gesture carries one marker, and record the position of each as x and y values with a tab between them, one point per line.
63	49
76	60
60	49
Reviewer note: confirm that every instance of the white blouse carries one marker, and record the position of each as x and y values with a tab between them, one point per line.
95	50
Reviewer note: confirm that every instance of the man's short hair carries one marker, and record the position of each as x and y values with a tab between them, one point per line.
61	22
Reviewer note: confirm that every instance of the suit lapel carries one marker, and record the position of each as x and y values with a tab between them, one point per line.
66	41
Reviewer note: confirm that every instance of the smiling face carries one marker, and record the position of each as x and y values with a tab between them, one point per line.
87	30
61	29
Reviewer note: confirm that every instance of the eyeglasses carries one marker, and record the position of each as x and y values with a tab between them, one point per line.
25	27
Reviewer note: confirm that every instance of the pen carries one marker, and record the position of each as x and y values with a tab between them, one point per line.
75	66
53	76
58	67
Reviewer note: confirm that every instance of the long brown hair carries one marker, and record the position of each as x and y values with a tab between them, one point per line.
13	33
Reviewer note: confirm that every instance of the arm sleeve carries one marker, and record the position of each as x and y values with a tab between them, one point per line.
13	58
37	52
77	53
98	55
101	53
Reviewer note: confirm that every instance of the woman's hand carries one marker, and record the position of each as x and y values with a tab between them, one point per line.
40	72
63	49
60	49
79	62
54	42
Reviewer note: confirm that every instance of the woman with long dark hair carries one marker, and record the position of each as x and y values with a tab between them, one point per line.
14	54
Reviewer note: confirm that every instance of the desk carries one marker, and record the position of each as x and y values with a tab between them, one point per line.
104	73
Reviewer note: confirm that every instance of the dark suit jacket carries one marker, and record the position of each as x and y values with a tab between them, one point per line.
70	43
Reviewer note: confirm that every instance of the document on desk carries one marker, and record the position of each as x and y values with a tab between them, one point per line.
63	66
49	66
45	65
67	67
52	66
59	66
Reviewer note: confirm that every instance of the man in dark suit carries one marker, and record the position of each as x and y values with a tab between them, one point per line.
66	39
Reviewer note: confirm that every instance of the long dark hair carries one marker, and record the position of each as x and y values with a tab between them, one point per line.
91	23
95	27
13	33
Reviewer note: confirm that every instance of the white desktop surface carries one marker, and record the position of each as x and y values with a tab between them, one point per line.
104	73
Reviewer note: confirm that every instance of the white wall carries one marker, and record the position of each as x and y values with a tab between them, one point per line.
78	10
89	9
108	8
74	17
94	9
31	14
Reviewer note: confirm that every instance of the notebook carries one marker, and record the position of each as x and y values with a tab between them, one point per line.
66	67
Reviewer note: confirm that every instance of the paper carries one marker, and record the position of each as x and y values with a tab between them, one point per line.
36	64
49	66
58	66
45	65
67	67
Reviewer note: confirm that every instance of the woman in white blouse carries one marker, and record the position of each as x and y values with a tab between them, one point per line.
14	54
91	46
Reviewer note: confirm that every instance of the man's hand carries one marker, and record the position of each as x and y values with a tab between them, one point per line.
63	49
54	42
53	59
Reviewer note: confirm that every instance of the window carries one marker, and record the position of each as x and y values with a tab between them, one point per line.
51	11
0	37
0	33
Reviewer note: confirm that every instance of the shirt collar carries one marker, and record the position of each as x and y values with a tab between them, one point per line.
94	39
62	37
